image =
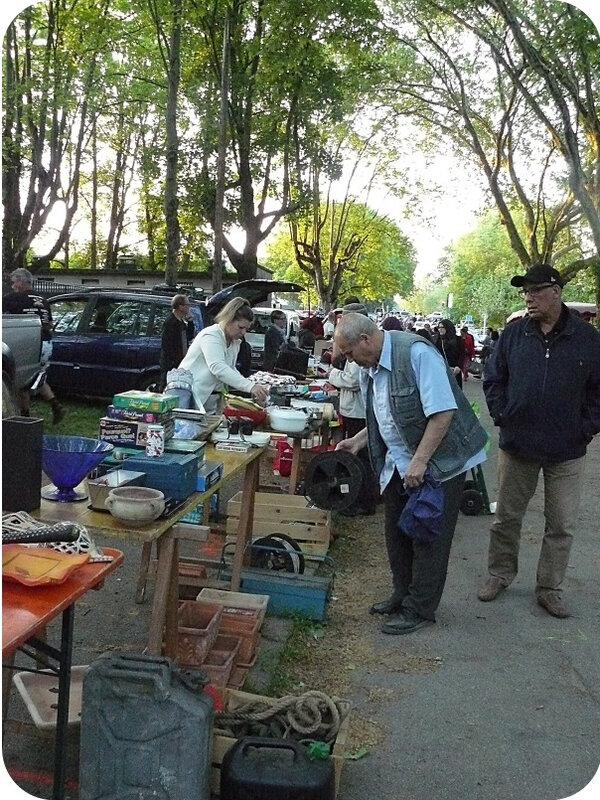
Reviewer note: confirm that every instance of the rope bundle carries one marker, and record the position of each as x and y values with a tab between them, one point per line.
312	715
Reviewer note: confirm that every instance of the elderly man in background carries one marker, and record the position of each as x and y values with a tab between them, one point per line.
418	422
542	387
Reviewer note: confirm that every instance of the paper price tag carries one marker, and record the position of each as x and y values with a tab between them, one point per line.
344	488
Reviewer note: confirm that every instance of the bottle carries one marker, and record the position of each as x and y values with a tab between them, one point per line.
155	440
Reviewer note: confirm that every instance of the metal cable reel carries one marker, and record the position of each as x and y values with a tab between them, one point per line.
277	552
334	479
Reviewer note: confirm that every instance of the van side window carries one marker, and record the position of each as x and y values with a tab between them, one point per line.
66	315
161	312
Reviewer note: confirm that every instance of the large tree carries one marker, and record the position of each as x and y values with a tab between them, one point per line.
513	85
294	74
357	252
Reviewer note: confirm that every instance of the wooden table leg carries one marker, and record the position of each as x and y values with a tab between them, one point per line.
140	591
164	607
295	469
244	530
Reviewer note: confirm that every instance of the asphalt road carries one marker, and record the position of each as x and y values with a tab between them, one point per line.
511	709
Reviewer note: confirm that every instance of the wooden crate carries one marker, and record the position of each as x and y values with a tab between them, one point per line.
284	513
232	699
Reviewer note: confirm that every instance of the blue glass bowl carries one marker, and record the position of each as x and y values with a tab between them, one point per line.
66	460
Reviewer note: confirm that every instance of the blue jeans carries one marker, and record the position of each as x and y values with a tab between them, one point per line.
419	568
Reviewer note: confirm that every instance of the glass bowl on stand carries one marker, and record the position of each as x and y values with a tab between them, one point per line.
67	460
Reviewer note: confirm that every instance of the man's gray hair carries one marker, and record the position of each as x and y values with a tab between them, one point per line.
179	300
351	326
22	274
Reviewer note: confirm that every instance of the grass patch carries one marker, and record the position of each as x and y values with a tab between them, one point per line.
82	417
283	680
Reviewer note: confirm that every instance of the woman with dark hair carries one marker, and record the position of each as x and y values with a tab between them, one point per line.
391	324
452	347
311	329
213	355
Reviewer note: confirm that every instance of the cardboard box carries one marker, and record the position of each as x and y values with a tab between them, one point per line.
128	433
222	741
209	473
145	401
284	513
137	415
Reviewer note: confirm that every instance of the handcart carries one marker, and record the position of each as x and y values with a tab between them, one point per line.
475	498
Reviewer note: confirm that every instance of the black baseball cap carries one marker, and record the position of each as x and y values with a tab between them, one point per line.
539	273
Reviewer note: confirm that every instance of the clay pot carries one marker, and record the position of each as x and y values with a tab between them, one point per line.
135	505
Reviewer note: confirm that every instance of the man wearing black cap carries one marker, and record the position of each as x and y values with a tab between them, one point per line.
542	387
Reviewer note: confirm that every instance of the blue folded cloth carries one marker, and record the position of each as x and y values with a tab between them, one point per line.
421	517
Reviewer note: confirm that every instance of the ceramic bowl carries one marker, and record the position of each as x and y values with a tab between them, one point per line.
287	420
135	505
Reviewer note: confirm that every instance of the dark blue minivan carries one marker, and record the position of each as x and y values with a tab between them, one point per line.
107	341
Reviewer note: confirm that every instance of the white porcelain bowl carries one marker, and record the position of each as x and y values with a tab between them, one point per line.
135	505
287	420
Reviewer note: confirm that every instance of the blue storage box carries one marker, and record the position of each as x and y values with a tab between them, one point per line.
288	591
174	474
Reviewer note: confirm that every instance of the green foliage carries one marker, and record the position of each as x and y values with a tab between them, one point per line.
383	267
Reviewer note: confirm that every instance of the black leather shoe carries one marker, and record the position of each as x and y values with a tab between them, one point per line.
407	622
386	607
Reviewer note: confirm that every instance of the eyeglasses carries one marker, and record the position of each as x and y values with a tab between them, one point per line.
533	291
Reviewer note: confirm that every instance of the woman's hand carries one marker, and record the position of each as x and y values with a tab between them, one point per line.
259	392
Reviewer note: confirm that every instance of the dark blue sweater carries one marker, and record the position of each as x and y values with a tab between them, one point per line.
544	391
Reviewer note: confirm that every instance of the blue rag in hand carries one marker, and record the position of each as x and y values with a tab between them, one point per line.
421	517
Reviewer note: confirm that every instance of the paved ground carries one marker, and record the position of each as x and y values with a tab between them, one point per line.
509	709
512	710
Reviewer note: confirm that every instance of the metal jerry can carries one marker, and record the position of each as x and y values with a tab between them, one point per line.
146	731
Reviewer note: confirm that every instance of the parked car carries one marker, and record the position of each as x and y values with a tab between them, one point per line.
21	355
107	341
256	335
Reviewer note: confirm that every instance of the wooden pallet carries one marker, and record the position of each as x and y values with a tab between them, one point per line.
284	513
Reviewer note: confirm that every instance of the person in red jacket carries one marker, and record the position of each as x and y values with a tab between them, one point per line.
469	350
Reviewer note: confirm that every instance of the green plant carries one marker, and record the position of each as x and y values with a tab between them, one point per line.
82	417
292	652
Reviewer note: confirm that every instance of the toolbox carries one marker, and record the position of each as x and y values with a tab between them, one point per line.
288	591
174	474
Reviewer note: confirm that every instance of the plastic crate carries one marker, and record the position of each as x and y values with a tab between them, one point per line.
39	691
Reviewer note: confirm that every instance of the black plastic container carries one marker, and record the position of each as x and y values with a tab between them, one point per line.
258	768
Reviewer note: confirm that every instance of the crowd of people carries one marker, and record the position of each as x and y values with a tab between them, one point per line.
404	413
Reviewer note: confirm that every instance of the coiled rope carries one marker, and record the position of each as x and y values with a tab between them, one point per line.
312	715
